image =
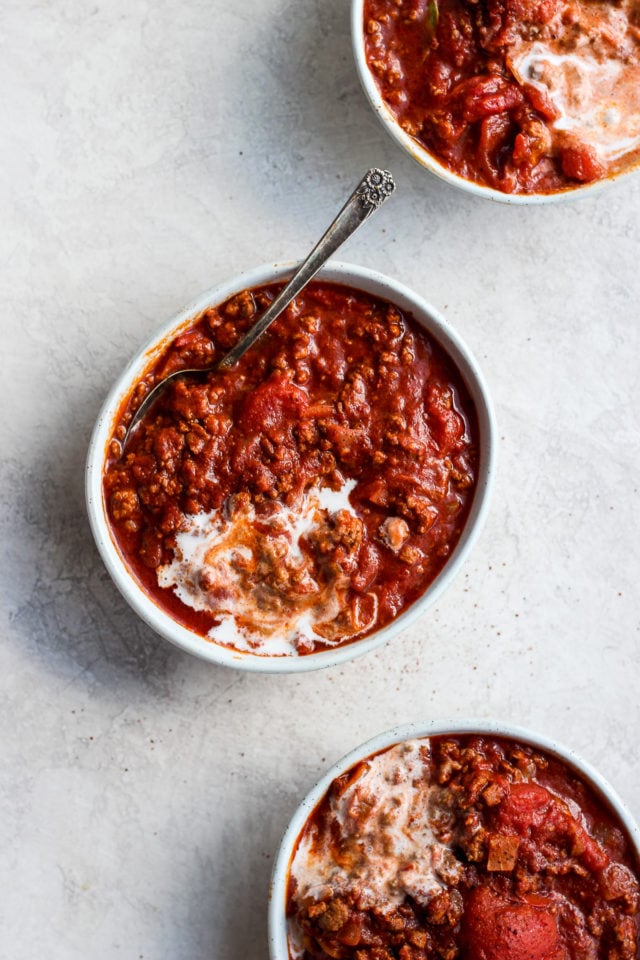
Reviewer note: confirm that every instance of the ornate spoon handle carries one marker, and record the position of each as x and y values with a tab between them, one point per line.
371	192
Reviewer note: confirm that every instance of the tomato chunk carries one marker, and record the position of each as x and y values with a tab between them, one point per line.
500	929
531	810
271	404
580	162
525	807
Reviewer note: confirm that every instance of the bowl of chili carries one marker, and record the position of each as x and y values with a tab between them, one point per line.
521	101
306	506
463	838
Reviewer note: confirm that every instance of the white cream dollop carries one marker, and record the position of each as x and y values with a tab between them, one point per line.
595	85
387	848
250	572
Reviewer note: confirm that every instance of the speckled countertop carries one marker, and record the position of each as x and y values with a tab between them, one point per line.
149	151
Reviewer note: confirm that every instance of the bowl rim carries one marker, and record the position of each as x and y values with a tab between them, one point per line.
348	274
429	162
277	926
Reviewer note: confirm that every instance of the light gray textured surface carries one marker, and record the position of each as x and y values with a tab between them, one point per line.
150	150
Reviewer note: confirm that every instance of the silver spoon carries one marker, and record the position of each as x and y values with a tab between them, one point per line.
371	192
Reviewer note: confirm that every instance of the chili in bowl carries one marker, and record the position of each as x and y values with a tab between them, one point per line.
468	839
524	101
304	506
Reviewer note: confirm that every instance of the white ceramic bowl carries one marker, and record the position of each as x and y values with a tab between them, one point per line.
278	948
161	621
427	160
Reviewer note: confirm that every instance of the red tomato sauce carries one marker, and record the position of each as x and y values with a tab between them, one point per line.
468	846
524	96
344	397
